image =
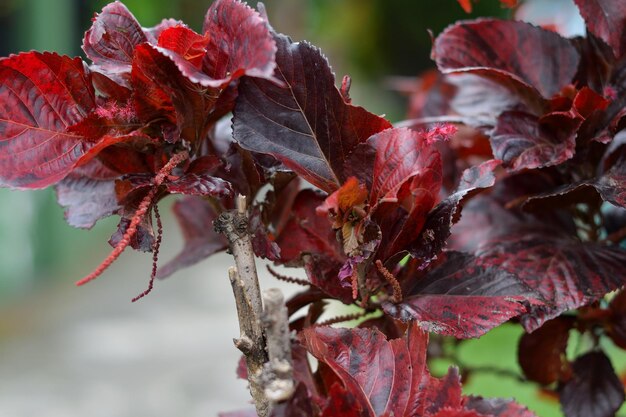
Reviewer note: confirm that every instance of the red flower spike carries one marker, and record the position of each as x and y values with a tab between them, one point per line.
139	214
155	255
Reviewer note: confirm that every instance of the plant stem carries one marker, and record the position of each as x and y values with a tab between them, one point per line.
244	281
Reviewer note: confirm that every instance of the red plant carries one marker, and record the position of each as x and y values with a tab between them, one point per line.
536	161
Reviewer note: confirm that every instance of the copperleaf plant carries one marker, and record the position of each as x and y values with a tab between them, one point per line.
515	211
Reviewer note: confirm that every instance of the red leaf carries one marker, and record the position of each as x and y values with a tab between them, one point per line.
385	377
164	95
594	390
462	299
88	194
199	179
606	20
436	230
341	403
531	58
195	217
113	37
42	95
186	43
306	124
524	141
541	353
240	44
497	407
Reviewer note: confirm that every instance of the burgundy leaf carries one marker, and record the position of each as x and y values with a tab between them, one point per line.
299	405
541	353
306	232
143	239
612	184
531	58
195	217
594	390
385	377
566	273
199	180
606	19
306	123
524	141
112	39
436	229
497	407
186	43
262	244
461	298
88	194
240	44
162	93
42	95
341	403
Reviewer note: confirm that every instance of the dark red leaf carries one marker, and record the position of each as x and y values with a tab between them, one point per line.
262	244
436	230
164	95
531	58
541	354
606	19
195	216
612	184
385	377
88	194
186	43
594	390
306	232
112	39
299	405
153	33
497	407
460	298
199	179
524	141
42	95
240	44
341	403
306	123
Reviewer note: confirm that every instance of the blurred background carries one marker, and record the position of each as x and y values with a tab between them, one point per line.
67	351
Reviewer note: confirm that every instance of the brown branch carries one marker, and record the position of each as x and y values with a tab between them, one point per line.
617	236
244	281
278	372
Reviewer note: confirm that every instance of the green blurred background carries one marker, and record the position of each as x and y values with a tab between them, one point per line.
368	39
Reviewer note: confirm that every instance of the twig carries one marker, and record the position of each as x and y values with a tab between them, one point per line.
617	236
278	372
244	281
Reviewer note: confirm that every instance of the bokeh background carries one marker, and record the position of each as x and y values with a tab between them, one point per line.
67	351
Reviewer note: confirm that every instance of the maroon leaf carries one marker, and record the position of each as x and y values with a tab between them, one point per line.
240	44
306	124
524	141
195	217
612	184
594	390
186	43
42	95
541	354
163	94
199	180
531	58
112	39
341	403
460	298
436	229
606	19
88	194
497	407
566	273
385	377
